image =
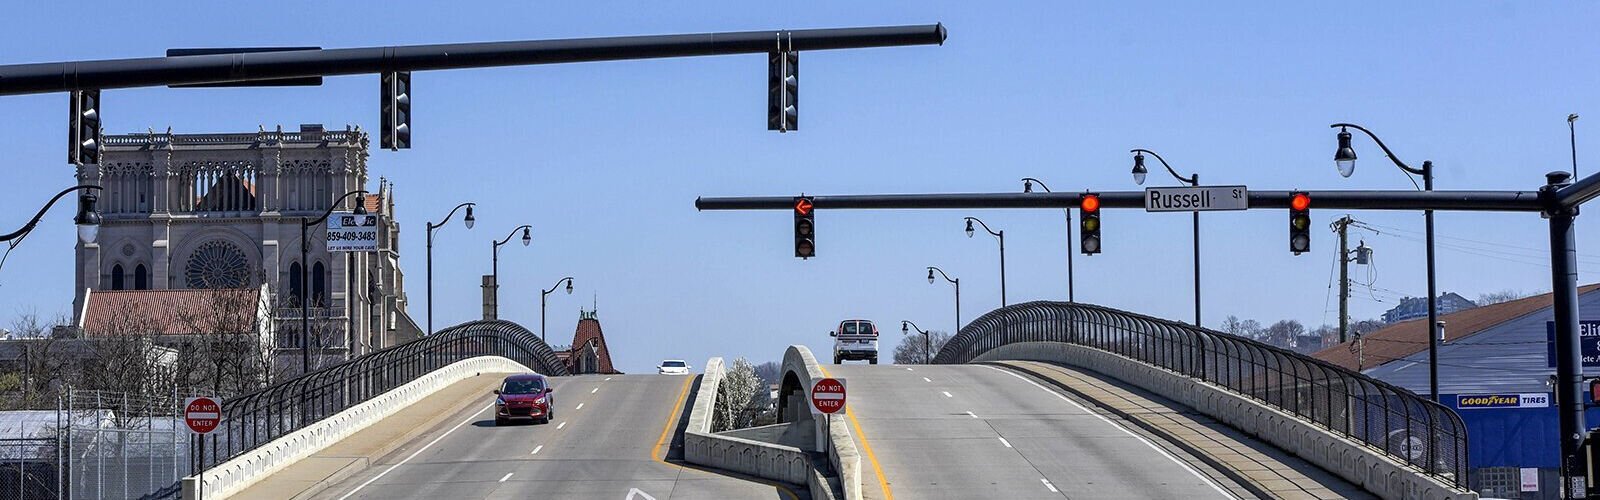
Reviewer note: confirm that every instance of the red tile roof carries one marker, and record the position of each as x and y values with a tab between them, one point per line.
1409	337
169	312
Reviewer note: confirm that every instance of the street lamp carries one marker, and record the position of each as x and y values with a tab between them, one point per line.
957	283
87	218
1139	173
1002	236
542	296
526	239
1027	187
1345	157
927	345
305	275
431	227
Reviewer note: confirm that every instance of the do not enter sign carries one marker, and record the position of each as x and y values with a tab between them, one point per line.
201	414
827	396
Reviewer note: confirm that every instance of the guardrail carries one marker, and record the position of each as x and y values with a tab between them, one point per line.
1408	428
258	418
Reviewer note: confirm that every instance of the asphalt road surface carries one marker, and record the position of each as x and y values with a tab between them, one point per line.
975	431
612	448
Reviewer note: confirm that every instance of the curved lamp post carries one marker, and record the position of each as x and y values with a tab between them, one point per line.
1139	174
542	296
87	219
305	275
957	283
1027	187
527	238
1345	158
927	345
1002	236
431	228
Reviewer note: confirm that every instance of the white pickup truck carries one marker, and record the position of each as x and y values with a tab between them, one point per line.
855	339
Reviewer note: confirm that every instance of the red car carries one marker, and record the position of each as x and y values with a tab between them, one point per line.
524	396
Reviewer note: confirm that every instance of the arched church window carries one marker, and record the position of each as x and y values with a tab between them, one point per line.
217	264
319	285
141	278
296	284
116	277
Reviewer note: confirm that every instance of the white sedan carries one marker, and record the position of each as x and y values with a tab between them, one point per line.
673	367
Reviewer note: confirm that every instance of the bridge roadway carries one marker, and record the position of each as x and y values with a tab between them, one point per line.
978	431
613	444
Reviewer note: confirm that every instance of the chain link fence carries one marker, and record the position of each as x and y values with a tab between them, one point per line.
120	445
1395	421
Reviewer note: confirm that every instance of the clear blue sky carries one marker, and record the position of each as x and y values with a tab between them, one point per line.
606	159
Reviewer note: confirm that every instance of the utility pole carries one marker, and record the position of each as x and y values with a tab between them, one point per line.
1342	227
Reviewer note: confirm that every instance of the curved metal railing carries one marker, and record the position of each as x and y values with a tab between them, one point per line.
1401	424
257	418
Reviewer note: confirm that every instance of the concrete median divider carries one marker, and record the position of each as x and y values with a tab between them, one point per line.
233	476
777	462
1351	460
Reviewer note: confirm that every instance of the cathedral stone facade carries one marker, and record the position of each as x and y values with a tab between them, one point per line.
188	211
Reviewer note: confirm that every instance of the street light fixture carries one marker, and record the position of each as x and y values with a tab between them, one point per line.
431	227
1002	237
305	274
526	239
1027	187
546	293
1345	157
927	345
87	219
953	281
1139	173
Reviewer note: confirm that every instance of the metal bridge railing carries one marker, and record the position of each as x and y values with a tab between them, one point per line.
1395	421
257	418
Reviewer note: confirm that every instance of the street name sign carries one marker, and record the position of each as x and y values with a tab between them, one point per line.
350	232
201	414
1196	199
827	396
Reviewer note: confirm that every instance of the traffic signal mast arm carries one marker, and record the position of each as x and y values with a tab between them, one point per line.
18	79
1513	201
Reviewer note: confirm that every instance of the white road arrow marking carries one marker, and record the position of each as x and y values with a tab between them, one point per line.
637	493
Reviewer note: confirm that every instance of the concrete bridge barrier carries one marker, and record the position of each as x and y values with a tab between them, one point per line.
236	474
761	459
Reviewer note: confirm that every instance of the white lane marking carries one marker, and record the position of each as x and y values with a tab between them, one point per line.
1048	485
632	492
507	476
971	414
1004	442
563	424
1124	430
947	394
592	391
415	453
580	407
608	379
536	449
909	369
926	379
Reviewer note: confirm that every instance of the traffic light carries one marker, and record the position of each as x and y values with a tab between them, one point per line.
1089	205
805	228
396	120
783	90
1299	222
83	136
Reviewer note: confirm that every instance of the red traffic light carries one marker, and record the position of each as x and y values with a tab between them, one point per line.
1089	203
802	206
1300	201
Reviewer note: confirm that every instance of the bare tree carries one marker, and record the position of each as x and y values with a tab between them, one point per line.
1506	295
1284	332
913	350
223	348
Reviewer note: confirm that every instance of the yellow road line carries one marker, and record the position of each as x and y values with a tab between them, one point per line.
672	418
655	453
865	446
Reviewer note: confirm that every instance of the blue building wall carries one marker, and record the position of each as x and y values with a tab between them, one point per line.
1515	437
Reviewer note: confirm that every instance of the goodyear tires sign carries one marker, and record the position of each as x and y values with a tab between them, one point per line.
1489	401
